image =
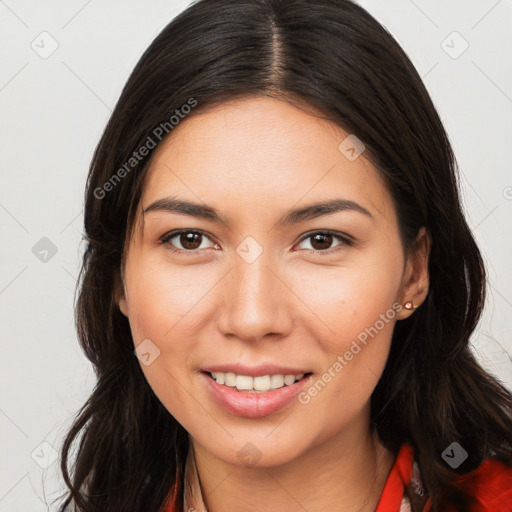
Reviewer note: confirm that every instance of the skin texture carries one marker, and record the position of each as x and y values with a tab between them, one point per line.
253	160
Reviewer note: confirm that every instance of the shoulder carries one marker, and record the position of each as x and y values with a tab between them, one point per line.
490	485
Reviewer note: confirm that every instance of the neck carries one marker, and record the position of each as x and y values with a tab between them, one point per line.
345	473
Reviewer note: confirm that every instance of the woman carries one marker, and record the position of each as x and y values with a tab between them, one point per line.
279	284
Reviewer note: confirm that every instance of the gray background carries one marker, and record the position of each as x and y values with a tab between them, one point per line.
54	107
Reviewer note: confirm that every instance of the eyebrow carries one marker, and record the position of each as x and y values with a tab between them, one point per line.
203	211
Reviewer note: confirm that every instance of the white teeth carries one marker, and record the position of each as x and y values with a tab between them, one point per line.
289	379
259	384
276	381
219	377
262	383
243	382
229	379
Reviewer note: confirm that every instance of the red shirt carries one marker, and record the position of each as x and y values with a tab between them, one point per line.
490	483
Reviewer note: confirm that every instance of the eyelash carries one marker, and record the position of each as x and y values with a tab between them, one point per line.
346	241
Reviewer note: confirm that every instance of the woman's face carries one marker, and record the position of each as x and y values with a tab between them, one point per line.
247	295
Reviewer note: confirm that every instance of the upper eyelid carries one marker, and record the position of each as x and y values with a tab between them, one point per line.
174	233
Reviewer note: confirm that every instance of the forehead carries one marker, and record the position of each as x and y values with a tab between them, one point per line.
262	153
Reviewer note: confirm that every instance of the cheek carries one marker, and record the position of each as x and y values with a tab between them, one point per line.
350	297
354	316
164	298
158	302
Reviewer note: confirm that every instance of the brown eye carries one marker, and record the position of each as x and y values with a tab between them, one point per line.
185	241
190	240
321	241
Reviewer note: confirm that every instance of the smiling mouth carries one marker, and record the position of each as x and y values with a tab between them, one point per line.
259	384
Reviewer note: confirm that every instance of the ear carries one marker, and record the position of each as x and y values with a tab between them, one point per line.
120	294
415	282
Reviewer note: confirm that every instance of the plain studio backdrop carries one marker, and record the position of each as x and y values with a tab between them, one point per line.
63	66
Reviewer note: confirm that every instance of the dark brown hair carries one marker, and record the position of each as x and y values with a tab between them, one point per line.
336	58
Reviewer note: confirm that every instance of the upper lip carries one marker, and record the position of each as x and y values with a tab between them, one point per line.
255	371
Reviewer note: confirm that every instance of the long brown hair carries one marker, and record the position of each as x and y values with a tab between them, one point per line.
335	57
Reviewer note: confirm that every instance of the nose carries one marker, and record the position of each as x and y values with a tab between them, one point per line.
257	301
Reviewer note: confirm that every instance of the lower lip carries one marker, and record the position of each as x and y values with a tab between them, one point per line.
253	405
